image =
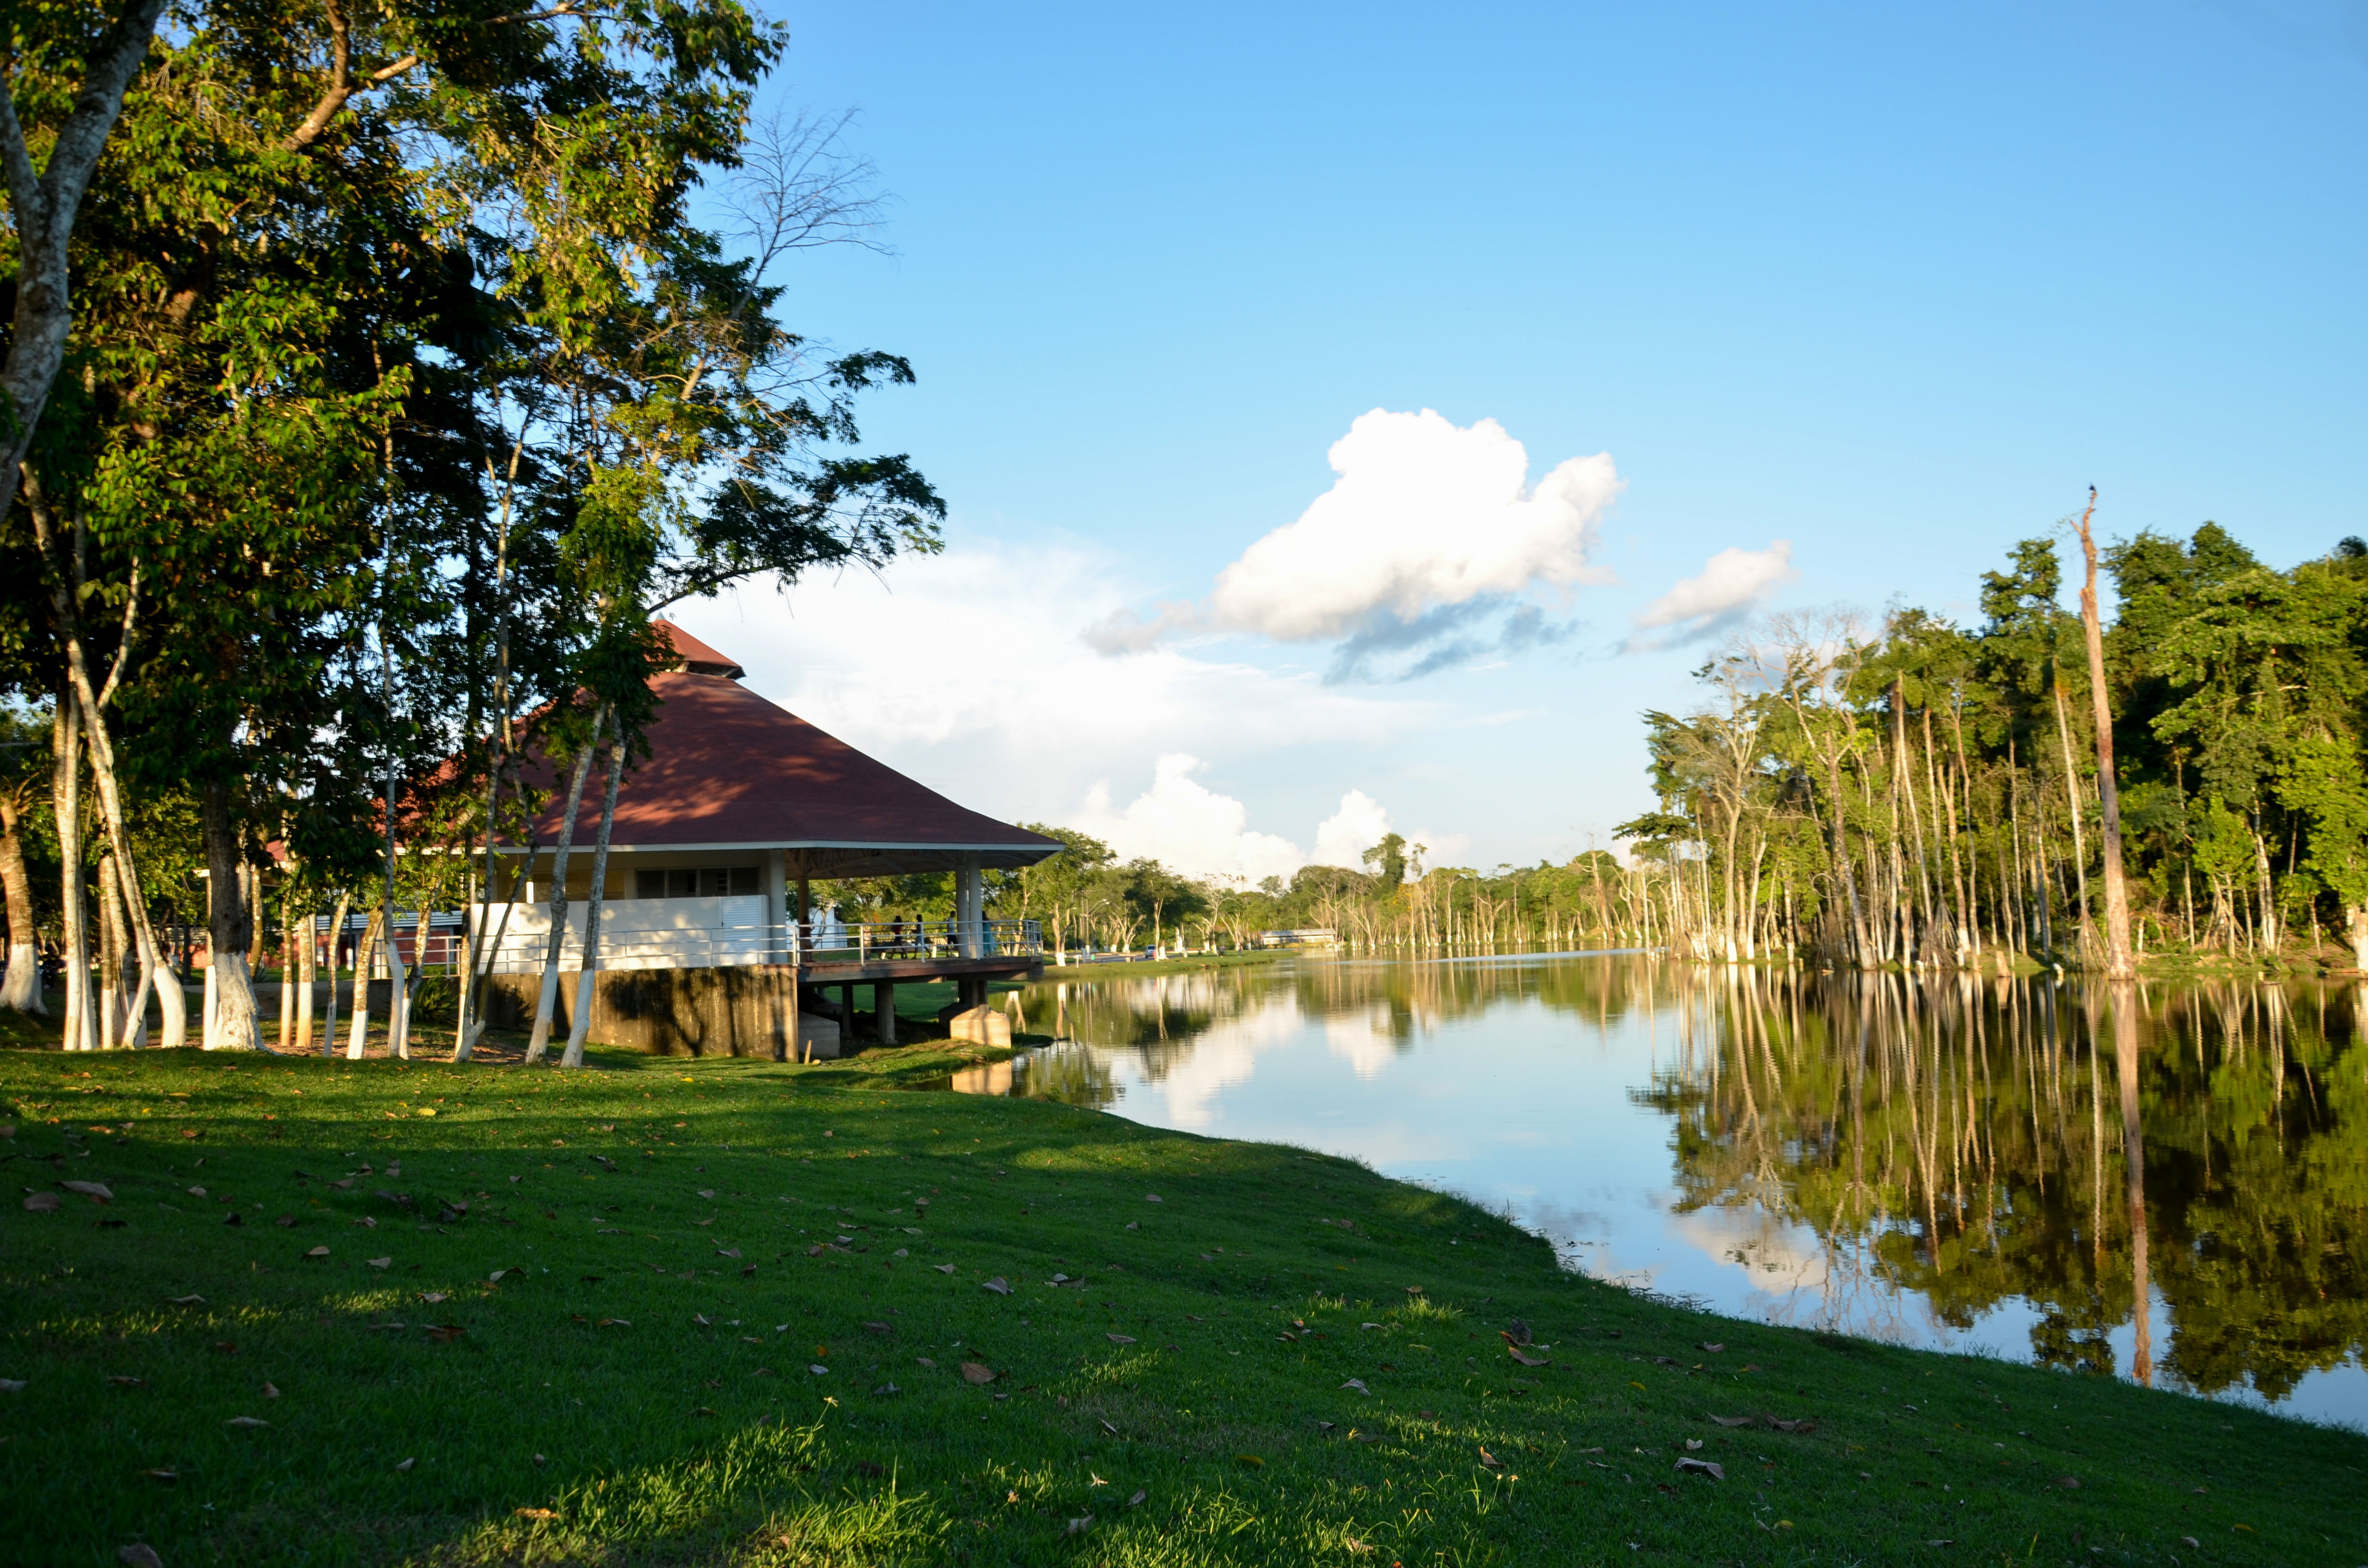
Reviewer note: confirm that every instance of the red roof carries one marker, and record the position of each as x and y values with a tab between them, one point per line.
727	770
697	657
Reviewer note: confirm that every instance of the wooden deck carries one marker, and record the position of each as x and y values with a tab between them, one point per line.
897	971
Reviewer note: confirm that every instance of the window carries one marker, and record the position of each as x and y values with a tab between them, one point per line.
705	882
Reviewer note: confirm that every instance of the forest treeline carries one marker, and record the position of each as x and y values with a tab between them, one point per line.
375	376
1924	794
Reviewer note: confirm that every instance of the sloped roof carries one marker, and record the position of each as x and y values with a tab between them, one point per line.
728	770
697	657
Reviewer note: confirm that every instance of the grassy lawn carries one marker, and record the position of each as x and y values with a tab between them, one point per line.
725	1312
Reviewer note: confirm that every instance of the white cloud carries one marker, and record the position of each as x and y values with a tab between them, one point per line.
965	670
1342	839
1424	514
1186	827
1732	585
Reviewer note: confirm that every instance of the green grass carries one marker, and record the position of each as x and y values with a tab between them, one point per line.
635	1387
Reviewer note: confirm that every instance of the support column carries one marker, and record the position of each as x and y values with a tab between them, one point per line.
970	907
884	1012
771	881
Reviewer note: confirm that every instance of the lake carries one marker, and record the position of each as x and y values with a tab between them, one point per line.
1939	1162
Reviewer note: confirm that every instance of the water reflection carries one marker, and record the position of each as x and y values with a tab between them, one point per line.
2012	1165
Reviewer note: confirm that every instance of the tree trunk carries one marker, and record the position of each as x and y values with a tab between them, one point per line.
306	960
2079	841
547	1001
336	938
580	1023
109	971
286	978
2118	963
230	917
358	1037
41	209
21	991
74	932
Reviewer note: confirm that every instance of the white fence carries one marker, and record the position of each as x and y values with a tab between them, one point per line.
642	933
726	933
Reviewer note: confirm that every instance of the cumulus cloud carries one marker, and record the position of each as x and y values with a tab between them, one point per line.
963	670
1415	560
1191	828
1188	828
1342	839
1424	513
1731	584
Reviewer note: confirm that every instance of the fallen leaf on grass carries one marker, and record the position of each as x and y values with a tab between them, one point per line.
1526	1360
1732	1420
434	1298
96	1191
1079	1526
244	1421
1357	1383
380	1262
819	1371
318	1251
2190	1542
2069	1483
727	1252
405	1465
43	1202
943	1267
973	1372
1120	1338
1491	1460
169	1477
129	1382
1000	1285
1713	1349
614	1323
270	1391
707	1192
445	1332
536	1514
1711	1468
285	1221
138	1555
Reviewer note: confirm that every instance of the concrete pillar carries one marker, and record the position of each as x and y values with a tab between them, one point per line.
772	881
884	1012
970	906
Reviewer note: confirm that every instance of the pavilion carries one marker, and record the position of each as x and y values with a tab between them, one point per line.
739	805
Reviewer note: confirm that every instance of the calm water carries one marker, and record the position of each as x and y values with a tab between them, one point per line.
1940	1163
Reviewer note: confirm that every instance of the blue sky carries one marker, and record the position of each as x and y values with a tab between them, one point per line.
1893	285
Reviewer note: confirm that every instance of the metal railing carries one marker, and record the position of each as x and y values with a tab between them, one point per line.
727	933
826	942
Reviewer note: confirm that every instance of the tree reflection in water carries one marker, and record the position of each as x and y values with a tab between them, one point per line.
1961	1141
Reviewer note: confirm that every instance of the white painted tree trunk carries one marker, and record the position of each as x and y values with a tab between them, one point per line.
74	914
580	1023
359	1038
287	982
547	1000
398	992
305	962
336	938
21	991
